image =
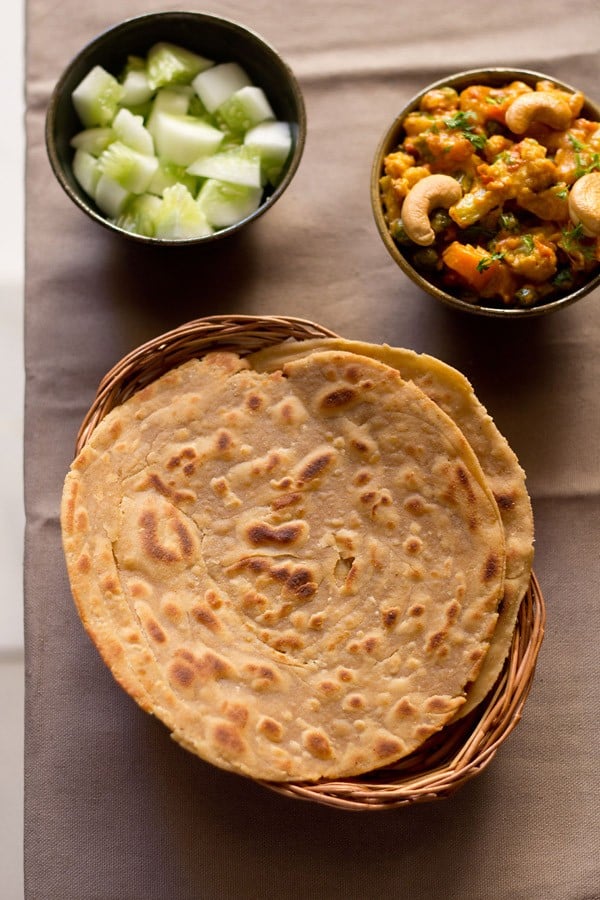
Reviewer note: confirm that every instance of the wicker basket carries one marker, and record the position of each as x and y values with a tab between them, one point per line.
460	750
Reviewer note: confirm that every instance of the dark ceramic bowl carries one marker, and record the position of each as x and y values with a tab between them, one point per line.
393	137
208	35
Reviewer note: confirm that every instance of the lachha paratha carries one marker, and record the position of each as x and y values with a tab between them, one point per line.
298	572
454	394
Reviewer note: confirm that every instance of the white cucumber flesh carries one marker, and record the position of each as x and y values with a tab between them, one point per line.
180	217
168	174
110	197
171	64
132	170
216	84
225	204
130	129
236	166
139	214
175	101
245	108
273	142
96	97
136	88
182	139
86	171
93	140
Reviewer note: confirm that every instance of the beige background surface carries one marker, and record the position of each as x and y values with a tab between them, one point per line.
114	810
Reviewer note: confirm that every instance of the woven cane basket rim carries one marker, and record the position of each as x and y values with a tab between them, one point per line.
460	750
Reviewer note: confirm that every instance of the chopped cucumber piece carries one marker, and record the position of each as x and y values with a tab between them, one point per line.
171	124
182	139
132	170
136	88
139	214
225	204
218	83
175	100
96	97
130	130
240	165
245	108
93	140
179	216
169	174
86	171
273	142
171	64
110	196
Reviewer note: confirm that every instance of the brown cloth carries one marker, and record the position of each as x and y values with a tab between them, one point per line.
114	809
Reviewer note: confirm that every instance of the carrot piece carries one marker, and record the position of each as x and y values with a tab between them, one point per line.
473	264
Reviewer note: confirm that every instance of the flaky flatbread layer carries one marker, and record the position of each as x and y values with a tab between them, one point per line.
298	571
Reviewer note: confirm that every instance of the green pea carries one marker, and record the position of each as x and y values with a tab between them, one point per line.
427	258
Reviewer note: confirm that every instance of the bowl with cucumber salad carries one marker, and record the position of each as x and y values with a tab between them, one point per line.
176	128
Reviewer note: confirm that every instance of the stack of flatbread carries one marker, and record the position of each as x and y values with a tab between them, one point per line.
305	562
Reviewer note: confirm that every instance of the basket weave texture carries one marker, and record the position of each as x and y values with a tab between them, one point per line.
460	750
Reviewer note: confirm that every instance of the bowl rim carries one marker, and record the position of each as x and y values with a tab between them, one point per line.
132	22
383	146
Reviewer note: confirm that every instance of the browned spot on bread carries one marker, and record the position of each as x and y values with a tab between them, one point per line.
227	738
370	643
385	747
254	402
285	500
212	666
452	611
345	675
288	641
317	743
84	563
155	631
181	674
314	466
352	373
213	599
424	731
254	602
465	483
224	440
404	709
261	534
187	655
206	617
172	611
417	609
337	398
368	497
189	469
389	617
110	584
354	702
438	704
491	568
81	520
236	713
413	545
150	542
435	641
415	505
362	477
270	729
263	676
140	589
329	688
505	501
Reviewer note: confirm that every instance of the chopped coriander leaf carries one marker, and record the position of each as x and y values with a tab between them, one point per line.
562	191
462	121
572	236
486	261
527	244
562	278
575	143
496	101
508	222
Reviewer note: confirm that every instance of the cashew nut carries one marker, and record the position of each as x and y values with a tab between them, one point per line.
538	106
429	193
584	204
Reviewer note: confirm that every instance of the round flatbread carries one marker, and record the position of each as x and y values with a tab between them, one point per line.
453	393
298	572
